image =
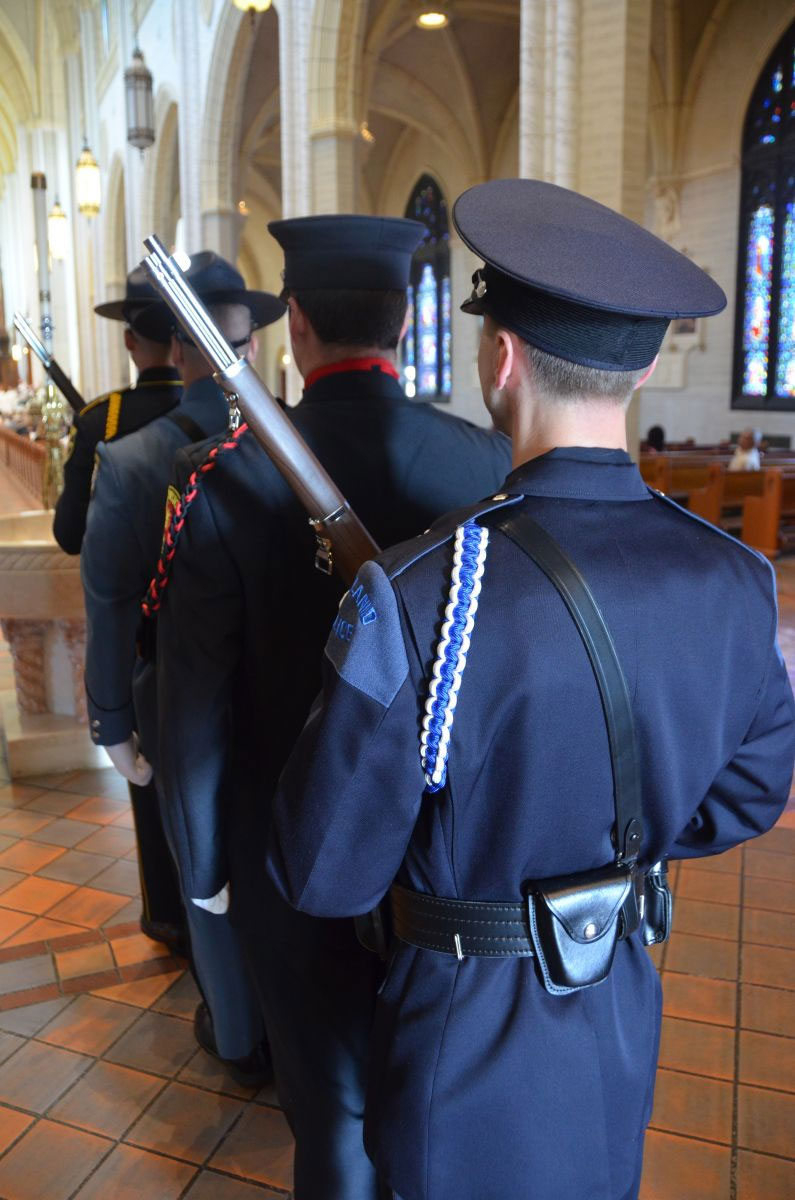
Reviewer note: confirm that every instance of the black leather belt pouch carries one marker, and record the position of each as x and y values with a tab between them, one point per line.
658	905
575	923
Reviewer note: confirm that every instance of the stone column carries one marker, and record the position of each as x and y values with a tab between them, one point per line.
614	114
133	159
190	128
74	635
614	122
221	232
549	95
295	21
26	643
335	170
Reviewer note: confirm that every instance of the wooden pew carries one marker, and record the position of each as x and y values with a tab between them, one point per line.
769	519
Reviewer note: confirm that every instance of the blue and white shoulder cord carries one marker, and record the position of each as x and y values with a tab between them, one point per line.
469	560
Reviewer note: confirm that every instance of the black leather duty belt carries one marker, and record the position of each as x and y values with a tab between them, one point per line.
477	928
485	928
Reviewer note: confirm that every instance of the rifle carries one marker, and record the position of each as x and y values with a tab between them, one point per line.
342	540
56	373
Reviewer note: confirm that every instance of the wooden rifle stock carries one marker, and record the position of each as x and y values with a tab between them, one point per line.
343	541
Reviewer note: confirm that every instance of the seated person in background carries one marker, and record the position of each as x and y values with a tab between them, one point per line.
746	455
655	440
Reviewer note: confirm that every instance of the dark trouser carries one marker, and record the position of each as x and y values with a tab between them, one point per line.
220	968
159	883
318	990
221	972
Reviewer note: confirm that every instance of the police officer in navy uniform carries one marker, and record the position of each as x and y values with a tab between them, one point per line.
473	774
147	338
241	632
120	552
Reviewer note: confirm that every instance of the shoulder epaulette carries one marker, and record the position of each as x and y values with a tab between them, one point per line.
685	512
113	401
395	560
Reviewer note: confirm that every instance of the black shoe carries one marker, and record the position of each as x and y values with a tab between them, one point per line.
253	1071
173	936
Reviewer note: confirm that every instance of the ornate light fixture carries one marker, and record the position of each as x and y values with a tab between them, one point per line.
89	191
140	103
57	232
432	15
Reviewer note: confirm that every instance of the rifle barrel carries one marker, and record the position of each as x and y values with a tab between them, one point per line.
342	539
51	366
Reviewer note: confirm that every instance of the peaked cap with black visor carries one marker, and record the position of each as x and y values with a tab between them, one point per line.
217	281
347	252
575	278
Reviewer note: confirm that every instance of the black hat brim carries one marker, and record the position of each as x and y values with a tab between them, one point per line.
265	308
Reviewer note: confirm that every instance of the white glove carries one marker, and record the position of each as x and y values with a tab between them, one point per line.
218	904
129	762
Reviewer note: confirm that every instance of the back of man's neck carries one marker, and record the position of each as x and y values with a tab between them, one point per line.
330	355
604	428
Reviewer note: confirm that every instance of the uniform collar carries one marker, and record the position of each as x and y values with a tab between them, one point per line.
580	473
159	375
206	403
354	379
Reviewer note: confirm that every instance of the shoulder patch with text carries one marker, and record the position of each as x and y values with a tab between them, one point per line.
366	641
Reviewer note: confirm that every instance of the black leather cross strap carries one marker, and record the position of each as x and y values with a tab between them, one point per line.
189	427
545	552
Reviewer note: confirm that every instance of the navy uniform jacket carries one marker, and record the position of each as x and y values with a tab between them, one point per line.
120	549
245	617
483	1085
103	420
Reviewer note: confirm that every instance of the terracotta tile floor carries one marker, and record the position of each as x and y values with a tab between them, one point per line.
104	1093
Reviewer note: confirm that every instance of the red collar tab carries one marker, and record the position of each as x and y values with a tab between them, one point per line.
351	364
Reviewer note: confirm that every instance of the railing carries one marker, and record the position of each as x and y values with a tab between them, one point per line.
25	460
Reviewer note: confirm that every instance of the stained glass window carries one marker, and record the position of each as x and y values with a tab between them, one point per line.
426	354
764	375
785	370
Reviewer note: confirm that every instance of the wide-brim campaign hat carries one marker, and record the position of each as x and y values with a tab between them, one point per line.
347	252
140	308
217	281
575	278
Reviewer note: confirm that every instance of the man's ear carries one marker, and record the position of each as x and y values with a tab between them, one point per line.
505	358
405	326
296	318
177	356
647	374
253	347
129	340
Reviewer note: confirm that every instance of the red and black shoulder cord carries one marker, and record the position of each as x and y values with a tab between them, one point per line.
154	593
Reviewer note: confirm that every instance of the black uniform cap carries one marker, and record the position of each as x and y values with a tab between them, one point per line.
575	278
140	308
216	281
347	252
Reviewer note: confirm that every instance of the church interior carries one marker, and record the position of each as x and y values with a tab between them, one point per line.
201	121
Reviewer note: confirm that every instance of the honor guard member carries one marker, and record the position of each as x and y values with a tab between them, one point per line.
147	339
241	632
120	551
463	748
